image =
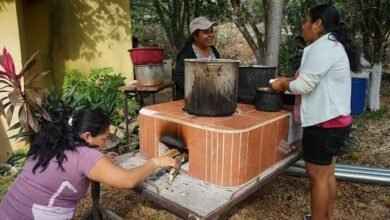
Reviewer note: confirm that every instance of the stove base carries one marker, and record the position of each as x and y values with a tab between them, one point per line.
191	198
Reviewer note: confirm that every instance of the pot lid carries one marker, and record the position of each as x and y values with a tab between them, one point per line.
266	89
212	60
257	66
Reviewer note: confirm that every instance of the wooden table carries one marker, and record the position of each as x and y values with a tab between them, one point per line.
135	90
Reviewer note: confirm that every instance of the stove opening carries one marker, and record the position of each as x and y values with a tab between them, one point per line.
176	148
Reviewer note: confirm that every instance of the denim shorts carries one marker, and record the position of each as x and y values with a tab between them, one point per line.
321	144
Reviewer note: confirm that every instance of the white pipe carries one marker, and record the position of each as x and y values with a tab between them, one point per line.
363	171
352	167
347	176
374	173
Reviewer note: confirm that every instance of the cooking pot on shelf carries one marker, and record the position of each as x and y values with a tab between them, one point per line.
268	100
149	75
211	86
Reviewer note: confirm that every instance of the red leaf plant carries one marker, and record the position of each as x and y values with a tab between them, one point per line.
27	99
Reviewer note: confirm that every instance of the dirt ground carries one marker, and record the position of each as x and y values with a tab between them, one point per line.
287	197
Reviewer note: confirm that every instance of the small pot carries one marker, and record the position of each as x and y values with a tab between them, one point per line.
268	100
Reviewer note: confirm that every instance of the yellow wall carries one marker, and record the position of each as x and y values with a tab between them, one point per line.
92	36
36	20
9	38
74	34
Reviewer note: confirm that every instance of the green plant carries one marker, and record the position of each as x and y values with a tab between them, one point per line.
5	184
27	98
96	90
58	106
362	120
286	58
15	163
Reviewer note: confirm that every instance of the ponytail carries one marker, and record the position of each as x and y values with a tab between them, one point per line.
63	134
51	142
342	36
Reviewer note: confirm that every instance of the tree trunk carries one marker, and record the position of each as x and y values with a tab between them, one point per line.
374	87
273	33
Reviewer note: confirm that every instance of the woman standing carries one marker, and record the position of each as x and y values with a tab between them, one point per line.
63	158
323	87
198	46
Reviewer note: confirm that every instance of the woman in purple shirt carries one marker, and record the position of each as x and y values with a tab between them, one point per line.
63	158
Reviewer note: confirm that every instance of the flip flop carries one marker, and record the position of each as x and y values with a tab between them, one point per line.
307	217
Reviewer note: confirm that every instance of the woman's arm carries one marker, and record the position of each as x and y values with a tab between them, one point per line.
301	85
105	171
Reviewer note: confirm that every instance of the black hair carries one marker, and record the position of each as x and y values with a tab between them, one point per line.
330	18
135	42
62	134
191	38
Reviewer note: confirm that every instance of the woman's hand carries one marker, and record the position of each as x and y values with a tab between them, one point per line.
281	84
165	161
111	155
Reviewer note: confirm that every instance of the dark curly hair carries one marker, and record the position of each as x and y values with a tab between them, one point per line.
56	137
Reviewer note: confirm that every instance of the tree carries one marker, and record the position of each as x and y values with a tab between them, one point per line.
264	44
273	32
371	19
291	48
249	16
175	16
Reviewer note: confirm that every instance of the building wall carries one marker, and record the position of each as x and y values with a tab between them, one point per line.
36	20
11	39
73	34
91	35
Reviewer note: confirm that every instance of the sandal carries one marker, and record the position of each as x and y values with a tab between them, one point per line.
307	217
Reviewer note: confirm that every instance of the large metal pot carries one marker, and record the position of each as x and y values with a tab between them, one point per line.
149	75
211	87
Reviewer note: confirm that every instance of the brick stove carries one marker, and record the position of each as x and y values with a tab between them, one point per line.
229	157
224	151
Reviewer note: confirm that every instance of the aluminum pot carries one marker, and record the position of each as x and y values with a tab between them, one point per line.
268	100
211	86
149	75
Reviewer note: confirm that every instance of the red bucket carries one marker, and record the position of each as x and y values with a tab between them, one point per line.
146	55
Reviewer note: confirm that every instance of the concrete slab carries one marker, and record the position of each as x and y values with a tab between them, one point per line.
192	198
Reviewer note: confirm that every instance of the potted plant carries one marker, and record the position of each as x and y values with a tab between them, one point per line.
25	100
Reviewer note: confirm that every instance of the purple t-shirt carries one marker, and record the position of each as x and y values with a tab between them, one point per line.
53	193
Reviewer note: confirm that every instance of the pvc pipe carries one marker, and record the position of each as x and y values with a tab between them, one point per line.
374	173
352	167
357	171
346	176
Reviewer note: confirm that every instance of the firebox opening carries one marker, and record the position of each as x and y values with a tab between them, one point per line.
176	148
